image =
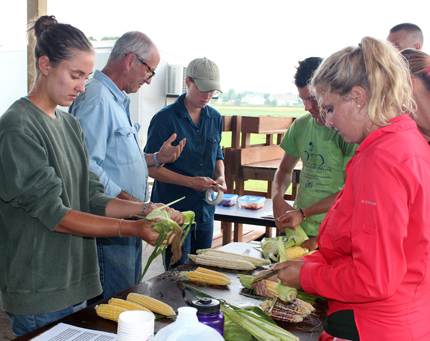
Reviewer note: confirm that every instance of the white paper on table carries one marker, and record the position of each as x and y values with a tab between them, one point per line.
63	332
267	215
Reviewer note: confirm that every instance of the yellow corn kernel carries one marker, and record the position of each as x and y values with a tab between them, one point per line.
295	252
271	288
226	263
152	304
212	272
109	311
201	277
127	304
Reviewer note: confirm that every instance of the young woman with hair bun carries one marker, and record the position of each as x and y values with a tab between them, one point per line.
51	203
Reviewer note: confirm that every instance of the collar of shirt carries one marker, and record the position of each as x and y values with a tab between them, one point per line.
120	96
399	123
183	111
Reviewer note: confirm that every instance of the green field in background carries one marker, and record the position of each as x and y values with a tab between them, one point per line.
229	110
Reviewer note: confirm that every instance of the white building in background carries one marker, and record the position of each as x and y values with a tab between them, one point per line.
144	104
285	99
253	99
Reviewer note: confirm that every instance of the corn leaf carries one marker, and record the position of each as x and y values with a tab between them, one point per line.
287	293
255	322
163	224
271	247
299	232
234	332
281	250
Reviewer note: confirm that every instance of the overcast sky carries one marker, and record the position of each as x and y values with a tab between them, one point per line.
256	44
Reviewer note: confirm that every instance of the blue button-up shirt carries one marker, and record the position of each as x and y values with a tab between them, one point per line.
112	138
198	158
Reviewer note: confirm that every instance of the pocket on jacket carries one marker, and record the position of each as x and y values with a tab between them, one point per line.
127	149
212	144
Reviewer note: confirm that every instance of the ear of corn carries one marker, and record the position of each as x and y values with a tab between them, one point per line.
163	224
201	277
281	312
127	304
109	311
212	272
152	304
295	252
219	253
301	306
227	263
278	290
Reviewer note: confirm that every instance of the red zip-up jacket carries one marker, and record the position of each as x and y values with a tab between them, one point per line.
375	241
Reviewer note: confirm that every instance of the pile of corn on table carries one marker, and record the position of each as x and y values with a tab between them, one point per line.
217	275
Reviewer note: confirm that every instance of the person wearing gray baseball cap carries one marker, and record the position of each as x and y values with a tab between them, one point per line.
201	164
205	74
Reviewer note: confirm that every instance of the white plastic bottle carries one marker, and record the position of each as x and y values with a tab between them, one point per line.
187	328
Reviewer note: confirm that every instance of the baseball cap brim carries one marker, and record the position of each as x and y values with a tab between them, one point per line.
205	85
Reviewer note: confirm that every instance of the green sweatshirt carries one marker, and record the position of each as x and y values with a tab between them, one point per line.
44	173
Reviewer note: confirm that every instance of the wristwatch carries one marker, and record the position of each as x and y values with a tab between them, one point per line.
156	162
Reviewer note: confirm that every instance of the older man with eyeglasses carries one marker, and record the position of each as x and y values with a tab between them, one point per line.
201	165
113	144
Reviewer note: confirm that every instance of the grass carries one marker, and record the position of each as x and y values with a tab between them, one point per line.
230	110
227	109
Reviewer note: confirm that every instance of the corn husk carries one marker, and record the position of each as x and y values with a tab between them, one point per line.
284	292
163	224
271	247
255	321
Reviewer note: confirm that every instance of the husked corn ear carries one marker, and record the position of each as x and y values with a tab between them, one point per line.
295	252
280	314
127	304
152	304
202	277
219	253
109	311
271	288
212	272
226	263
300	306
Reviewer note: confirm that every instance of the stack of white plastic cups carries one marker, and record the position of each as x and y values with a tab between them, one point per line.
136	325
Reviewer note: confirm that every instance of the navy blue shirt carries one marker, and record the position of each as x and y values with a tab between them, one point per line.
198	158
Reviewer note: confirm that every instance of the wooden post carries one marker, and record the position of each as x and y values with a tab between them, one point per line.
35	9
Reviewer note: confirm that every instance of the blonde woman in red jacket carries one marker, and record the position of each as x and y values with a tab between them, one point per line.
374	244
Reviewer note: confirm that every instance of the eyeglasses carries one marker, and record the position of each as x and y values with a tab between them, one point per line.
147	66
214	93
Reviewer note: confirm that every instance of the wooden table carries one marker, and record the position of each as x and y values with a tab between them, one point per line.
167	287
